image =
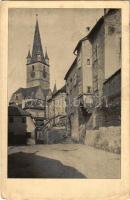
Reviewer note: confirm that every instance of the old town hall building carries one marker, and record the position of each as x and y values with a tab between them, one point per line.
33	98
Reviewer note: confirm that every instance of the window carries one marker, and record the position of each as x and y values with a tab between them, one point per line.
24	120
32	67
44	72
11	119
88	89
16	97
111	30
88	61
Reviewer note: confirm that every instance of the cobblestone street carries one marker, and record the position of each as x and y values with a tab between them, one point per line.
62	161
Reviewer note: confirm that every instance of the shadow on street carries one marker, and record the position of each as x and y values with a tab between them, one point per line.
30	165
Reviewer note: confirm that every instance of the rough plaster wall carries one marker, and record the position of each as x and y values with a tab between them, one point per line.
112	43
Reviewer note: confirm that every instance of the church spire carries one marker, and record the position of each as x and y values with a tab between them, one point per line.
46	57
28	57
37	51
55	89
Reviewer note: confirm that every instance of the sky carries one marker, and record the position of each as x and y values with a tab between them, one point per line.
60	31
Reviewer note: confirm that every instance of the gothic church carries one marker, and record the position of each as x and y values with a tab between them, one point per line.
34	97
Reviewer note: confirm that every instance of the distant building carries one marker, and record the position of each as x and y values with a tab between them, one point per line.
20	126
57	106
33	98
72	101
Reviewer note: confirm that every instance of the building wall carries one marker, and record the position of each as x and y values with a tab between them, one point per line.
98	71
86	84
20	129
112	92
86	64
57	106
72	90
112	42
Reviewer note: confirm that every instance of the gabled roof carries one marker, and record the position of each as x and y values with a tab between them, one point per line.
79	43
71	68
14	110
112	76
61	90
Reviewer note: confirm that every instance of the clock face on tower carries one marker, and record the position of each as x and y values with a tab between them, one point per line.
32	74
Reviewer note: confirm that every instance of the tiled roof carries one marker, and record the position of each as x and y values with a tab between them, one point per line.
26	92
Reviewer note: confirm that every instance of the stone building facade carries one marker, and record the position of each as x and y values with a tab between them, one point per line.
34	97
20	126
98	58
105	38
112	93
83	52
56	106
72	101
79	91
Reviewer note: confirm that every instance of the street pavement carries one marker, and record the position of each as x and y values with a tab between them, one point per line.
62	161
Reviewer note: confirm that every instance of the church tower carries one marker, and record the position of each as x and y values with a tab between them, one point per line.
38	64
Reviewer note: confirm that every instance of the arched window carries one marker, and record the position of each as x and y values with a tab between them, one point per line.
44	72
32	67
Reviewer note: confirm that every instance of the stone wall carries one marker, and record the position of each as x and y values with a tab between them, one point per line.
106	138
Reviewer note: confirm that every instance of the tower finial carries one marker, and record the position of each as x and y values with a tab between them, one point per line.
55	88
46	54
36	16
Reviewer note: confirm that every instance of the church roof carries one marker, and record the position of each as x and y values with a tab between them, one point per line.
31	92
37	46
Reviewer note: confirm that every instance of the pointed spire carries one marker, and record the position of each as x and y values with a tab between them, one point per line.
29	54
55	88
37	51
46	55
29	57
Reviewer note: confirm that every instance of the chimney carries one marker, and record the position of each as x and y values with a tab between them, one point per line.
106	10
